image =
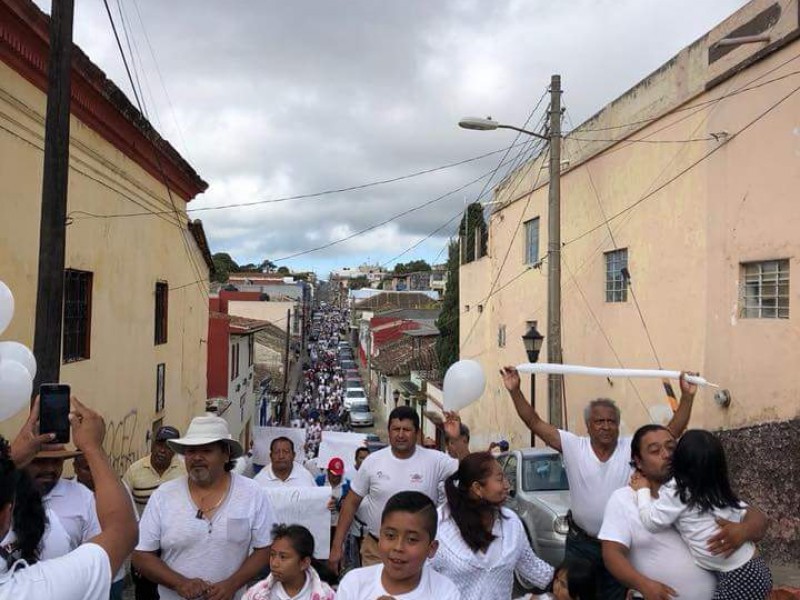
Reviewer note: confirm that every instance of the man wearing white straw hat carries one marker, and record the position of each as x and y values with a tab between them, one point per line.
211	527
597	465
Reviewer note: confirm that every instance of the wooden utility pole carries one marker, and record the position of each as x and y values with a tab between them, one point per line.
52	227
285	412
554	382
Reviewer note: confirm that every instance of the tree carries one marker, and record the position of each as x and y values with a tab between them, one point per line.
224	265
447	345
284	270
472	229
411	267
356	283
267	266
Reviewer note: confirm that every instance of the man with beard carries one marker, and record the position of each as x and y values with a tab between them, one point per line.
143	478
659	565
212	527
71	502
596	465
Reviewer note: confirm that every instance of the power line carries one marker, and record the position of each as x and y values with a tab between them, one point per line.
324	192
687	169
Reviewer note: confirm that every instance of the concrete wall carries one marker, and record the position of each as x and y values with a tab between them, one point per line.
240	390
127	256
274	312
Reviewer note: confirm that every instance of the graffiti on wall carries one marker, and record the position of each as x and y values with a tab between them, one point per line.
123	445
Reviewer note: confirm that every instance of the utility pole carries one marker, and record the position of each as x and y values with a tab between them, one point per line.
554	382
284	411
52	227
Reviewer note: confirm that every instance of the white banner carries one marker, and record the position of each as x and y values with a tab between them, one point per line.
306	506
601	372
340	444
263	436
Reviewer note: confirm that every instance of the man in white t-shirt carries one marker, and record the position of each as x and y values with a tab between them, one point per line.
283	471
84	573
596	466
659	565
212	527
402	466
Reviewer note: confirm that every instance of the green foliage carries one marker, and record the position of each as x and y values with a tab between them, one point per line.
473	229
356	283
224	265
411	267
447	345
284	270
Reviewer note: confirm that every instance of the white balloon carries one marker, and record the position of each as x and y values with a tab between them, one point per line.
6	306
16	385
17	352
464	383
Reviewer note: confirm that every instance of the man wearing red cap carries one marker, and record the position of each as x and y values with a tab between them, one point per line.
334	477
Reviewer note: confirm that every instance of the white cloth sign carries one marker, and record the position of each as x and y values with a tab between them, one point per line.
558	369
342	445
263	436
306	506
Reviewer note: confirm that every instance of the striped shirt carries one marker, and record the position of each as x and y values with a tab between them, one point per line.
143	479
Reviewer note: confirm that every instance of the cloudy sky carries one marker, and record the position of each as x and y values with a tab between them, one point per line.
269	99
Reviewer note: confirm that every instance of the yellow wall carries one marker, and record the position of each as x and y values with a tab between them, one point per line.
685	246
127	256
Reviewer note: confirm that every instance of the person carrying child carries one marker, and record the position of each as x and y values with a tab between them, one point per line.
291	575
407	540
693	500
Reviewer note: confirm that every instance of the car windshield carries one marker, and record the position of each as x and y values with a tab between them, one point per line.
362	408
544	473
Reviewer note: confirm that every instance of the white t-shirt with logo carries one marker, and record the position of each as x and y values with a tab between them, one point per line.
365	584
382	475
661	556
83	574
197	548
592	481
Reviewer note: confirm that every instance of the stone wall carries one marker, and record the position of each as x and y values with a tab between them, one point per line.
764	461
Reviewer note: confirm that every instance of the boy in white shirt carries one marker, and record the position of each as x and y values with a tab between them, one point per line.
407	540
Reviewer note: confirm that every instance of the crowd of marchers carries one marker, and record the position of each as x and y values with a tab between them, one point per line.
652	516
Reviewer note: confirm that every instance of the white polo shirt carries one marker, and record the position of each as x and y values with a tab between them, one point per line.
661	556
592	481
299	477
196	548
83	574
75	506
382	475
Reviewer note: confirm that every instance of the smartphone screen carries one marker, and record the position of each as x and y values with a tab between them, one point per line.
54	411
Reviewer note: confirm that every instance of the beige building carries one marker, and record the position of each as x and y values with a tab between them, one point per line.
682	194
136	305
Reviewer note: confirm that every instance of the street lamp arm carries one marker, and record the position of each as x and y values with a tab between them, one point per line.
525	131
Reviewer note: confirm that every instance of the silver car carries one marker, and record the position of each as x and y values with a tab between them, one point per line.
360	415
540	496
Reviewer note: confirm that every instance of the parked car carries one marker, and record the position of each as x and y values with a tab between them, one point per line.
360	415
540	496
355	382
347	365
354	395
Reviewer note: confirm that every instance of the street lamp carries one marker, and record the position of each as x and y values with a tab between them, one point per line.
396	397
554	353
487	124
532	341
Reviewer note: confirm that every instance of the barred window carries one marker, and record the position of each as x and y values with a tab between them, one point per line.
501	336
77	315
616	286
162	302
765	289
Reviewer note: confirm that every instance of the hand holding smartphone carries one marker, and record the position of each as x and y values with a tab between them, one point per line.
54	411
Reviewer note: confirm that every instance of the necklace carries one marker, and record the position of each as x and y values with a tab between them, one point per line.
201	512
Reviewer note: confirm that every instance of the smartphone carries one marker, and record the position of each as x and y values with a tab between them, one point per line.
54	411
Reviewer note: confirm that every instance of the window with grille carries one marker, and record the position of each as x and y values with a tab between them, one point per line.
765	289
161	376
532	241
235	360
251	351
501	336
162	302
616	285
77	315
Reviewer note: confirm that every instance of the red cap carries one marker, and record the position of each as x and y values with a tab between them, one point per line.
336	466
